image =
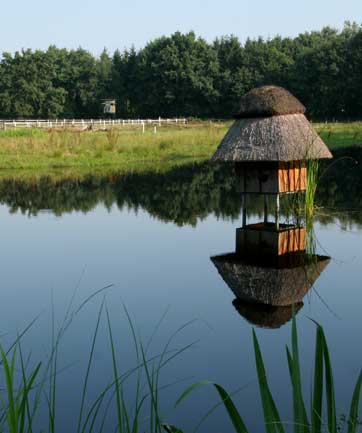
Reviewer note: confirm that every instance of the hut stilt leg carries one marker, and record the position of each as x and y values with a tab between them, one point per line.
243	197
277	211
297	220
265	209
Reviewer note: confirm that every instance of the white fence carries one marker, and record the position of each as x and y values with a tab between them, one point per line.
86	123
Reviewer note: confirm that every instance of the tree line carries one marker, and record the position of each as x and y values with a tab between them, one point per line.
184	75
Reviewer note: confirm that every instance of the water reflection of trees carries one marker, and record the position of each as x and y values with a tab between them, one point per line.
182	195
339	190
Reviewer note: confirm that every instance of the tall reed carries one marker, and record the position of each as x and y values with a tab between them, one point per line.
320	419
312	181
27	390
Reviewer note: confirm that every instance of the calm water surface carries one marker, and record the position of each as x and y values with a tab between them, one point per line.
151	236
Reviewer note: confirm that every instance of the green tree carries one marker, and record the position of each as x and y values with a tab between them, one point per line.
177	77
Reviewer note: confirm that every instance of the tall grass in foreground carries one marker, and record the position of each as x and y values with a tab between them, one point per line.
27	390
320	419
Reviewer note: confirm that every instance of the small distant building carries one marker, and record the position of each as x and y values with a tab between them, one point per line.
109	106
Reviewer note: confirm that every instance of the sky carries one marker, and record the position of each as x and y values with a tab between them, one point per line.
96	24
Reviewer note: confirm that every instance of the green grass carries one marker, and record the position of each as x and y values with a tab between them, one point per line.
33	149
42	149
340	135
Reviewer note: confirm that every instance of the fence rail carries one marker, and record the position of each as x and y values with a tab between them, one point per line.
85	123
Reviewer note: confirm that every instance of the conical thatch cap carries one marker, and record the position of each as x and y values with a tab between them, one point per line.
268	101
271	127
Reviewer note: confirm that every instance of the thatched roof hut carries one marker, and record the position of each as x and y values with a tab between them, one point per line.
266	316
276	286
271	127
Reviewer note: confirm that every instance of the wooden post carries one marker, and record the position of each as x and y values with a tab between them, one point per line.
277	211
265	209
243	201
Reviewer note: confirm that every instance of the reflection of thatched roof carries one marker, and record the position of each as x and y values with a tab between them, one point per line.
269	101
266	316
277	286
279	138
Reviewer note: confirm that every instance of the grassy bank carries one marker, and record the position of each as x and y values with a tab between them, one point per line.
128	146
118	147
340	135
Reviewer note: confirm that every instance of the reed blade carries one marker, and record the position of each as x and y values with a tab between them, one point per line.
273	423
353	413
330	394
317	402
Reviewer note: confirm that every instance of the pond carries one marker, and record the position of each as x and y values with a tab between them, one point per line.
147	239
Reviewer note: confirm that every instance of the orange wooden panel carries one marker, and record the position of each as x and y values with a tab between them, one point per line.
292	176
291	241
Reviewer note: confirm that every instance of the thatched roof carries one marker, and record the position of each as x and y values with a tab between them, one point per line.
277	286
266	316
271	126
269	101
279	138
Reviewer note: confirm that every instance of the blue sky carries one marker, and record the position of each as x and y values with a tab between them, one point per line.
94	24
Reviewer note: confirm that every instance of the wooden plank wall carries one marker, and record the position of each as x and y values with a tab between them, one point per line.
292	176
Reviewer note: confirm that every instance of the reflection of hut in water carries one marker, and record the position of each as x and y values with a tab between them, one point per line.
266	316
266	290
278	285
269	272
